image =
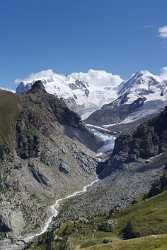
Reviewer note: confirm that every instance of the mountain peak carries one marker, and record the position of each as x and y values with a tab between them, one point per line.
37	87
141	80
144	73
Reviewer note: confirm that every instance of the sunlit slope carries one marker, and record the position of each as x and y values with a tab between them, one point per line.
10	108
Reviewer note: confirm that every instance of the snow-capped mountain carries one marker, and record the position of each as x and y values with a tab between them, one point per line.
103	97
83	92
143	94
144	84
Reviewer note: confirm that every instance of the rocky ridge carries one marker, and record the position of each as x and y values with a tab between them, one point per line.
43	159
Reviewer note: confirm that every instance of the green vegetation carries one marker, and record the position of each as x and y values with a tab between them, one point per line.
158	242
146	217
146	243
10	108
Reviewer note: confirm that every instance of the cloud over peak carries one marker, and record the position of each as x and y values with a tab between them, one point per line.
163	74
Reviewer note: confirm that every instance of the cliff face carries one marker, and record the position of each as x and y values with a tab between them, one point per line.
42	157
148	140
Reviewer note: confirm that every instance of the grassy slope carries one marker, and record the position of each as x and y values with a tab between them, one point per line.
9	110
146	217
144	243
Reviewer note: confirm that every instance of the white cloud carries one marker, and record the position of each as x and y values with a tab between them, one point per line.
163	74
98	78
163	31
93	77
48	75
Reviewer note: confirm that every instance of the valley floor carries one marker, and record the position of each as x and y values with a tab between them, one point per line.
157	242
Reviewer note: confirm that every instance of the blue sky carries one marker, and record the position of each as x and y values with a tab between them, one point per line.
120	36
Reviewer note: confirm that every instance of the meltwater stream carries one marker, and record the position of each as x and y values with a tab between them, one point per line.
53	210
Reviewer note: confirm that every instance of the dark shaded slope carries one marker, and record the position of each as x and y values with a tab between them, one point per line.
114	112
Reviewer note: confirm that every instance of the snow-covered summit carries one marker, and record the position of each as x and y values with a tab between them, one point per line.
144	84
141	95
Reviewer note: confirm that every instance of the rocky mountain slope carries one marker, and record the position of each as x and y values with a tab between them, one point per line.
42	157
82	92
137	161
142	95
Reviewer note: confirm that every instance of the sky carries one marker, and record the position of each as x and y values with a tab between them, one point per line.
119	36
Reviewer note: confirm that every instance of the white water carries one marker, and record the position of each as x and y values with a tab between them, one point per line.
53	210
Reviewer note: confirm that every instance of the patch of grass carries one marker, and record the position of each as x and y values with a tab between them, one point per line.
145	243
66	229
40	247
88	244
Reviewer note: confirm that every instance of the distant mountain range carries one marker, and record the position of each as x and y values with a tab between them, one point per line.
142	95
82	92
103	97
